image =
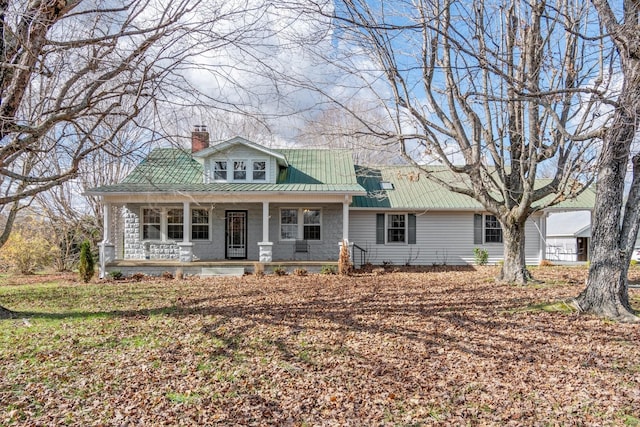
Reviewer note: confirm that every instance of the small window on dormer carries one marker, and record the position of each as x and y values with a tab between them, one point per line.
220	170
259	171
386	185
239	170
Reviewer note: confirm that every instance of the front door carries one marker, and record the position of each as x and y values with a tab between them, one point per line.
236	232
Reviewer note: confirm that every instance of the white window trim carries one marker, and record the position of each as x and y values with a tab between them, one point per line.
164	224
484	230
300	224
209	225
387	221
212	168
231	170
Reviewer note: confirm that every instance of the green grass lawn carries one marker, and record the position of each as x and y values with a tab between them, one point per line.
396	349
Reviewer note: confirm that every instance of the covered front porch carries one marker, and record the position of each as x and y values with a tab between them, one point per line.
198	237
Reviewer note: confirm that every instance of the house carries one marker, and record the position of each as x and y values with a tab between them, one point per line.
568	236
241	202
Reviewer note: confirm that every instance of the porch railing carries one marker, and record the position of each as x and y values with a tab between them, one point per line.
363	254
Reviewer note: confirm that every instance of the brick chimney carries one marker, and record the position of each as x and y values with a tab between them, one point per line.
199	138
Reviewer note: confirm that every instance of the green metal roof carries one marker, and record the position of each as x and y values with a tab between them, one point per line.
313	170
317	166
166	166
413	191
174	170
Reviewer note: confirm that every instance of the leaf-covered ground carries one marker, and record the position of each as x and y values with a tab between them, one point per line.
433	348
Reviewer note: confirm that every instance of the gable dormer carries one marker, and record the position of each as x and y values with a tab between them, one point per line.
238	160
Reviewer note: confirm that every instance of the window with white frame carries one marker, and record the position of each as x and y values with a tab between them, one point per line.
220	170
311	224
151	223
259	170
492	229
162	224
199	224
239	170
288	224
300	223
396	228
175	224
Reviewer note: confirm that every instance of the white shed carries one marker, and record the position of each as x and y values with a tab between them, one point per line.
568	236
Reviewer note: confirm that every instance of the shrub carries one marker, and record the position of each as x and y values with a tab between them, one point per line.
86	267
27	251
300	272
328	269
167	275
633	263
481	256
279	271
115	275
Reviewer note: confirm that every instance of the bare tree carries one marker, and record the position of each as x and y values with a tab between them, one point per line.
331	128
75	73
67	68
492	91
616	222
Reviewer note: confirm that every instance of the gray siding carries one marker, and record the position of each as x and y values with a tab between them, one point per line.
441	238
331	233
214	249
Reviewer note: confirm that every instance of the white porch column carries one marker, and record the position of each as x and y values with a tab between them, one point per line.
265	247
186	247
107	249
345	219
265	221
106	221
345	230
186	225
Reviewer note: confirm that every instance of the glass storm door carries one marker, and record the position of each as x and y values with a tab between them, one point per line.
236	232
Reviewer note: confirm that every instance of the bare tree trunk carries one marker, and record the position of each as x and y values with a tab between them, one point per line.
606	293
514	269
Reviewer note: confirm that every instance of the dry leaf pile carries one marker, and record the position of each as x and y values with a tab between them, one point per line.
434	348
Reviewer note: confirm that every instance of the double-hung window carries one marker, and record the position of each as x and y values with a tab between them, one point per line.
300	223
259	170
220	170
175	224
394	228
288	224
151	223
492	229
239	170
487	229
167	224
311	225
199	224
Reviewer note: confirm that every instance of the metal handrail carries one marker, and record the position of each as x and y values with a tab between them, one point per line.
363	254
